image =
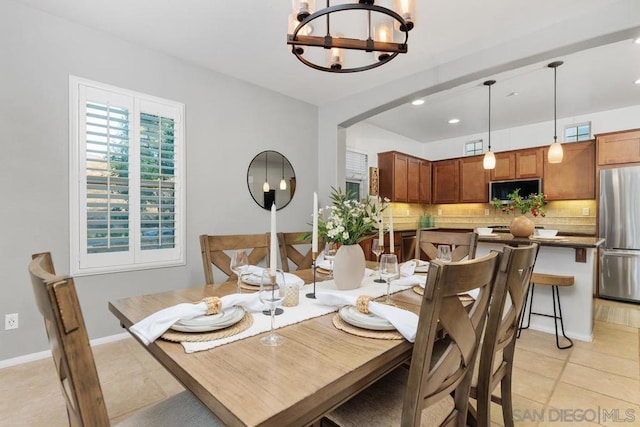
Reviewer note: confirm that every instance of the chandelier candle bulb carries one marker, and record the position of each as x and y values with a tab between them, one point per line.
273	249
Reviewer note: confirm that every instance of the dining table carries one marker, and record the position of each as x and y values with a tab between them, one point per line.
245	383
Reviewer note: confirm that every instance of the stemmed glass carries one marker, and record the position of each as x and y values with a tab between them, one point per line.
377	251
330	250
389	270
239	261
272	295
444	253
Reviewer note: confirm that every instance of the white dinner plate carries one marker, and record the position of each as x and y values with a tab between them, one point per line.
547	238
325	265
488	235
228	317
422	267
351	315
254	279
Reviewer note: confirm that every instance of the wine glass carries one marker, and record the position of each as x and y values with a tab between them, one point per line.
444	253
272	295
389	270
330	250
377	251
239	261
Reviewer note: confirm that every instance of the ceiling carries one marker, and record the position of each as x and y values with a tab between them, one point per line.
247	39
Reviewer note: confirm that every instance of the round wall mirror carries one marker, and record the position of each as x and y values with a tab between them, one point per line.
271	179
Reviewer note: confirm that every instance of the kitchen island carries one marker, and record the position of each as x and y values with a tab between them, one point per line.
566	256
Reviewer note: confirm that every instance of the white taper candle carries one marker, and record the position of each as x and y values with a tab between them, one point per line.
273	249
391	248
314	235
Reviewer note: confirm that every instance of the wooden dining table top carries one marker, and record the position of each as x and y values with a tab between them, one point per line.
247	383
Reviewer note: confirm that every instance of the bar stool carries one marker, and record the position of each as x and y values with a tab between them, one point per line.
554	281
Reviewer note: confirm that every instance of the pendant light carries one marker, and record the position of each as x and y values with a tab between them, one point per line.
555	149
265	186
489	161
283	183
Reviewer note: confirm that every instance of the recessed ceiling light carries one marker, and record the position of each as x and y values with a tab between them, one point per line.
513	94
454	121
637	82
637	41
417	102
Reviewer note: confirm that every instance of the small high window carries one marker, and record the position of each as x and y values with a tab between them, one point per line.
473	148
578	132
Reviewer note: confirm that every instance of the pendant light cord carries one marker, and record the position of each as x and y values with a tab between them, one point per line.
489	117
555	103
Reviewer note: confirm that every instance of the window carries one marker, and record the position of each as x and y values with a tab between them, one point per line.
356	174
579	132
127	179
472	148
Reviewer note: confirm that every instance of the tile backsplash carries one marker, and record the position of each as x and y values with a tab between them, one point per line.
566	216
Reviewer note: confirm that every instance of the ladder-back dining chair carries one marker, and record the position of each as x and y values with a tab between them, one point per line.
57	301
213	252
295	248
499	341
463	244
434	390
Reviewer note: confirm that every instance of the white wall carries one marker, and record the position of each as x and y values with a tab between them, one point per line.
227	123
365	136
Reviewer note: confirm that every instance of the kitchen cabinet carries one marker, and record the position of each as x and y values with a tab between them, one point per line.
402	177
574	178
617	148
474	179
425	181
446	181
519	164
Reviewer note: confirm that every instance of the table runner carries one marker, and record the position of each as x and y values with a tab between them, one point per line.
307	309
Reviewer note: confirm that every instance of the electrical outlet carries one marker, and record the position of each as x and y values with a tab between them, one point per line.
585	211
486	212
11	321
439	212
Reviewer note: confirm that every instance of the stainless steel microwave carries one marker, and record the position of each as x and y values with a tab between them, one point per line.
501	189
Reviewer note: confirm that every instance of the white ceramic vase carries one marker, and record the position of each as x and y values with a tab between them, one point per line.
349	267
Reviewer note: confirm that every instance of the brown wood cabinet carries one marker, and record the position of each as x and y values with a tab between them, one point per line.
425	181
366	245
530	163
575	177
446	179
617	148
402	177
474	186
505	166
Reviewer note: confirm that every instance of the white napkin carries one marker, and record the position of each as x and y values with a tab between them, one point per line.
407	278
404	321
408	268
156	324
290	279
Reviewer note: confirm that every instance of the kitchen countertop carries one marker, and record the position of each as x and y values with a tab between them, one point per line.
564	242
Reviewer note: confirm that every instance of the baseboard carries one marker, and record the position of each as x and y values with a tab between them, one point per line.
47	353
552	331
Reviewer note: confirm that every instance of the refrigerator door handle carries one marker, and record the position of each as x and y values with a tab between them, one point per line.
621	253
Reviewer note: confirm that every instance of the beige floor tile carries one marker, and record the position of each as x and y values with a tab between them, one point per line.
541	343
127	393
538	363
531	386
523	410
605	362
614	342
570	397
626	389
599	327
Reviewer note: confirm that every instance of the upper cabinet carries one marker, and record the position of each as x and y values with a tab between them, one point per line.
518	164
474	179
574	178
617	148
446	184
402	177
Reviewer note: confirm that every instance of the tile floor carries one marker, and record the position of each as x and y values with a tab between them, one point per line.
591	384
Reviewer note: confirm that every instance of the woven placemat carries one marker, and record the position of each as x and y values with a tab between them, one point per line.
248	287
366	333
464	298
244	324
418	289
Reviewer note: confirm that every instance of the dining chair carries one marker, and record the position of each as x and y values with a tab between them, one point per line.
213	252
434	390
58	303
495	361
464	244
290	245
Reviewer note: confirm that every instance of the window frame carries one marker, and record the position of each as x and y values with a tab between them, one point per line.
134	258
476	151
577	126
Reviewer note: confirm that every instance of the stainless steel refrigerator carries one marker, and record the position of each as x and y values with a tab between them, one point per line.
620	227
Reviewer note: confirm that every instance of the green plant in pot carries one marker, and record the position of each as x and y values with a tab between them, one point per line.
534	204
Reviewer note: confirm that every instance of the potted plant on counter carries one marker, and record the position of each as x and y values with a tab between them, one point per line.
521	225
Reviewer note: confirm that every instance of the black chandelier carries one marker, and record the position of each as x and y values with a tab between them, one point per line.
381	26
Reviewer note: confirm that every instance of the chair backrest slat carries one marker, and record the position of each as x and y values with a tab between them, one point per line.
442	366
464	244
57	301
213	252
290	245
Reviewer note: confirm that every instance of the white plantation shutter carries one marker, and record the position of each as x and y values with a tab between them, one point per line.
356	165
127	202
